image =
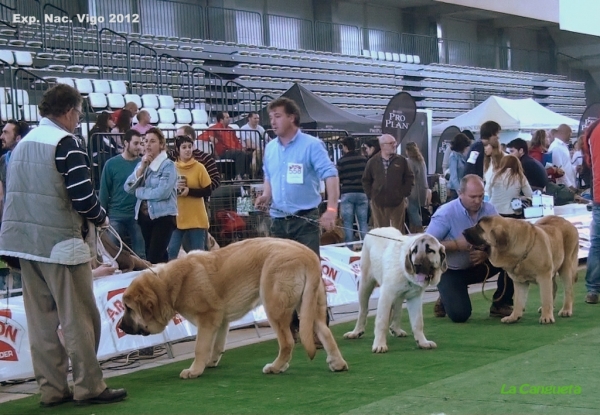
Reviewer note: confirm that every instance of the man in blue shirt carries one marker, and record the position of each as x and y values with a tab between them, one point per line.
294	164
466	264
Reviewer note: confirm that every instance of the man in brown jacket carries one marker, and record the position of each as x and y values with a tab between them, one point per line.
387	181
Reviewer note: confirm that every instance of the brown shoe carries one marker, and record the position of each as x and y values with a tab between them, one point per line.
591	298
107	396
64	399
502	310
438	308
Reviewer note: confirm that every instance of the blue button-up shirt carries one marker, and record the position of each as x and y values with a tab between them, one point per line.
303	149
449	222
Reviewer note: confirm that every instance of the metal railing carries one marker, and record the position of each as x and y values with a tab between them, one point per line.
113	51
175	79
285	32
230	25
337	38
142	68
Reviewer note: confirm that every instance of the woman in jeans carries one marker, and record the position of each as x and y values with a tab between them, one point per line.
418	195
193	186
153	181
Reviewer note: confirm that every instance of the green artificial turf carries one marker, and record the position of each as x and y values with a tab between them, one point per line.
464	375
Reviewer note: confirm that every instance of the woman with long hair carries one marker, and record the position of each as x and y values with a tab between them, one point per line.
459	146
153	182
418	195
193	185
491	161
122	126
538	145
508	183
538	149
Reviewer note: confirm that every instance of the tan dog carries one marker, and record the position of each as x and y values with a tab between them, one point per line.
532	253
403	265
210	289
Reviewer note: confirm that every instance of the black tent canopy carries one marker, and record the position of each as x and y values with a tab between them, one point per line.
318	114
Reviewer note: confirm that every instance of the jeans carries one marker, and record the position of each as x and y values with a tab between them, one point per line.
413	213
592	274
351	205
5	274
196	239
454	289
128	227
299	229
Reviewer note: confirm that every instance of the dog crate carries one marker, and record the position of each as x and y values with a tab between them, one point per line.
232	213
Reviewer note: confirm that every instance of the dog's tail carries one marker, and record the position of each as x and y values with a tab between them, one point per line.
310	309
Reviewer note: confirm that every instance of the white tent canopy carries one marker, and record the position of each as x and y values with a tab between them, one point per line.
511	114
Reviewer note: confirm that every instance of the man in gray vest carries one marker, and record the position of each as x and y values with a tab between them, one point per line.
50	208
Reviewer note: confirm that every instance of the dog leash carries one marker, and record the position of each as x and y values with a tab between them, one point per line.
316	223
121	246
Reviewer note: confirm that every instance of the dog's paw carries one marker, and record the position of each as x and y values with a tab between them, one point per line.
354	335
337	364
270	368
510	319
565	313
427	344
397	332
382	348
547	319
188	374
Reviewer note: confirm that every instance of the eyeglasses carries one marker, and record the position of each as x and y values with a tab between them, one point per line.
392	143
79	114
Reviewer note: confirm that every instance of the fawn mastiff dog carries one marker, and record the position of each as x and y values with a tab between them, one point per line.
403	266
532	253
210	289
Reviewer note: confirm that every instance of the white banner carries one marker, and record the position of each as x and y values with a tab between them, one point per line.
341	272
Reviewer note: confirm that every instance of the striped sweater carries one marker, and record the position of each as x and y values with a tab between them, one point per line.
72	162
351	167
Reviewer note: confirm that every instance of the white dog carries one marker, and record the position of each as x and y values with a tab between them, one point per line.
403	266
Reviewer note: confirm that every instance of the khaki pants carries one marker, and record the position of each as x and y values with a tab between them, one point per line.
62	295
389	216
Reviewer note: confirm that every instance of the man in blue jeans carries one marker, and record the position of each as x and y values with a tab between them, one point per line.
120	205
466	264
353	201
592	158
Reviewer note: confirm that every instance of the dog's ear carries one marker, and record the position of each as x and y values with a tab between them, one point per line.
444	263
408	264
499	237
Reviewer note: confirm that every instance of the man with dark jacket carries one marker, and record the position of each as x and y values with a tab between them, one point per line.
388	181
534	171
488	130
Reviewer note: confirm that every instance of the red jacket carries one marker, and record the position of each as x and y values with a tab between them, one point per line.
224	140
591	149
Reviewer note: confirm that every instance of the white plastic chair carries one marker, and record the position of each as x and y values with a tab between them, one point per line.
115	101
97	101
150	101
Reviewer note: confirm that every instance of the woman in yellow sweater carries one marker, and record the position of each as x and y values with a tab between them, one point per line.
193	185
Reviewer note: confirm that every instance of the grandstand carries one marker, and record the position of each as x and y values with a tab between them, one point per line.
235	60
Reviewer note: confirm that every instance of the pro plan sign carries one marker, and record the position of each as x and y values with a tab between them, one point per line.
399	115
